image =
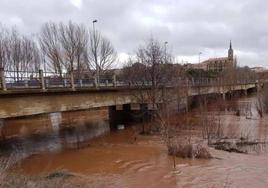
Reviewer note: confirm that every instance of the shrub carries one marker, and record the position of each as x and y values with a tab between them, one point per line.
189	151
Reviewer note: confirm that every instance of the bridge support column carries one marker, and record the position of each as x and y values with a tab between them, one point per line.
124	114
2	80
224	96
183	104
119	115
2	135
187	104
81	82
258	87
26	84
42	80
245	92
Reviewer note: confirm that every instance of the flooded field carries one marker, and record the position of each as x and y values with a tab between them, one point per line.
127	159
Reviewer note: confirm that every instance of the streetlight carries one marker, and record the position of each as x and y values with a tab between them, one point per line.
93	22
166	43
95	52
200	67
199	57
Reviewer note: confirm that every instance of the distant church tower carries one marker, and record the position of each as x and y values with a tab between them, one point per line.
230	52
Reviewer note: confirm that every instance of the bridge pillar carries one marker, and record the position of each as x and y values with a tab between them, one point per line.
42	81
183	104
224	96
81	83
2	135
119	115
2	79
187	104
245	92
125	113
26	84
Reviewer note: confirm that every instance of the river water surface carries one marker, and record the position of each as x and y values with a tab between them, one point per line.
127	159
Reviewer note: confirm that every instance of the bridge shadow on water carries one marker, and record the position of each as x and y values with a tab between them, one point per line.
51	132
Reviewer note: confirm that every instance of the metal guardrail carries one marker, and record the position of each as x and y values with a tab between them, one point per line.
19	80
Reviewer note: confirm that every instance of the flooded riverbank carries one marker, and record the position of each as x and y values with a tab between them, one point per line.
115	161
127	159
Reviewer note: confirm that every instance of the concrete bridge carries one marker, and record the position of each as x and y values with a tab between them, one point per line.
16	103
39	94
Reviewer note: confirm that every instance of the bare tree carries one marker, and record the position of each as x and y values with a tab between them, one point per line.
30	55
22	55
149	71
74	40
15	53
101	54
152	56
81	48
3	46
68	43
51	47
158	71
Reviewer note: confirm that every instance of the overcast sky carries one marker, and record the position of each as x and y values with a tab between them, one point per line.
189	26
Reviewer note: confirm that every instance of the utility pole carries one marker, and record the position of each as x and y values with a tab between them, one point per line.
95	52
199	57
166	43
199	61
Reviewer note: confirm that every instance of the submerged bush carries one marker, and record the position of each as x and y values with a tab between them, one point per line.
189	151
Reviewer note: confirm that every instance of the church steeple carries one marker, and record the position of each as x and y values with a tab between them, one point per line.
231	52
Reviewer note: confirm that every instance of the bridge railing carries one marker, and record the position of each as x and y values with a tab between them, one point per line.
56	80
12	80
19	79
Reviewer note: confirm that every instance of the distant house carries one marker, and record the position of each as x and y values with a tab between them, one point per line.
217	64
258	69
262	73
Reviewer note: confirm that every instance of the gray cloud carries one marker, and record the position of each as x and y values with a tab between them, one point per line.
189	26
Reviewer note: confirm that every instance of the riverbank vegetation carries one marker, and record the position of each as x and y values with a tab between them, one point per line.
261	102
153	64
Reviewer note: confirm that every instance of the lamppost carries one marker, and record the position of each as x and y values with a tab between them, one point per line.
95	52
166	43
44	63
93	22
199	61
199	57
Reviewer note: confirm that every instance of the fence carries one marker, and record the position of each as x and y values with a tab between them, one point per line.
16	80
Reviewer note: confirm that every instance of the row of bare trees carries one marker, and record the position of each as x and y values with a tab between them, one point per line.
18	52
71	47
58	48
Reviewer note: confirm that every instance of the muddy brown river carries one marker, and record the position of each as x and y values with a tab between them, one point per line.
127	159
